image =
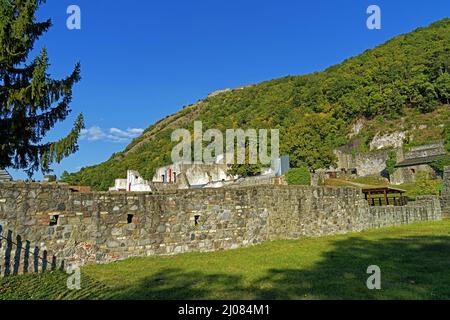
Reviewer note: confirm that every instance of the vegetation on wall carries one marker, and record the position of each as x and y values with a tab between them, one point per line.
422	186
438	165
404	78
446	135
391	162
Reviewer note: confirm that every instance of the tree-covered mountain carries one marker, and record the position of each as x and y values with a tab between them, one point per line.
396	84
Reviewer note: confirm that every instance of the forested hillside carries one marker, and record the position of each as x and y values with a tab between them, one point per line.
406	78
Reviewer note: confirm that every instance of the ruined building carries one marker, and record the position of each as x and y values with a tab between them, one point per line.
416	161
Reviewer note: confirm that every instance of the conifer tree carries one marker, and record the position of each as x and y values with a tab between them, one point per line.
31	101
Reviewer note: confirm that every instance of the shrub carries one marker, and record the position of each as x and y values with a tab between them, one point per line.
423	185
447	136
439	164
245	170
391	162
299	176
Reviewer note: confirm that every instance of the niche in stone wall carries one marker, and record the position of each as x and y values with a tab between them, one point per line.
196	220
130	218
54	220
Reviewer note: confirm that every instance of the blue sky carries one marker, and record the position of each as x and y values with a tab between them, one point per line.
143	60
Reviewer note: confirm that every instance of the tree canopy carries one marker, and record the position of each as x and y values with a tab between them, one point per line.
31	101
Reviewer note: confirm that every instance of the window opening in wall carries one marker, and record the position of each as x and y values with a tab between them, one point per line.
130	218
196	220
54	220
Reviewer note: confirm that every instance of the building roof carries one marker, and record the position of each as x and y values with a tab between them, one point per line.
4	175
383	190
419	161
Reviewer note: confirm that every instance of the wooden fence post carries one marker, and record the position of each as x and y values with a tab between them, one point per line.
17	255
8	249
26	259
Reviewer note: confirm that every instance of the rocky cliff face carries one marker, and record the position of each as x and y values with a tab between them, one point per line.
393	140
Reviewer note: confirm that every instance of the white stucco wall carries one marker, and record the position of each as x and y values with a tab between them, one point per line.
136	183
119	185
133	183
196	173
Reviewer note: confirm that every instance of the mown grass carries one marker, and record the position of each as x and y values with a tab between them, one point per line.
414	261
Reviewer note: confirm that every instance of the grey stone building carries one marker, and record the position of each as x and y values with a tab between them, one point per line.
417	161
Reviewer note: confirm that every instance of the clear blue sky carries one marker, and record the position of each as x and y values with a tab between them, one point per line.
143	60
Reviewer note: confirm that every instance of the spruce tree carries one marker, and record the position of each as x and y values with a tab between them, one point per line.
31	101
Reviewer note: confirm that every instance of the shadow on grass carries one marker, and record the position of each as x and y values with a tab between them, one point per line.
174	284
411	267
50	286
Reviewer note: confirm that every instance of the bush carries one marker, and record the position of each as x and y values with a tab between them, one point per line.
299	177
245	170
447	136
391	162
423	186
439	164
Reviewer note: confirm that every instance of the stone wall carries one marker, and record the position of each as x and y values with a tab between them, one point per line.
18	256
445	196
425	208
366	164
411	173
430	150
102	227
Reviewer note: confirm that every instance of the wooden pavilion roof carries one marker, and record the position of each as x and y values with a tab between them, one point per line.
382	190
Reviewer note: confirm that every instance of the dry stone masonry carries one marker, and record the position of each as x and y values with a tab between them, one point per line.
445	196
98	227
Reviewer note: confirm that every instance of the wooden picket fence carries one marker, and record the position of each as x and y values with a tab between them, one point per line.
19	257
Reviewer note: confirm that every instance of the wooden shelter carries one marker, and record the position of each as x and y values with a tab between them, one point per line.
385	196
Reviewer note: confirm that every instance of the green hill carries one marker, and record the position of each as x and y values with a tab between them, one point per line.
400	83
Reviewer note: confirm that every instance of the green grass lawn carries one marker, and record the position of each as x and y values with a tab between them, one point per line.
414	261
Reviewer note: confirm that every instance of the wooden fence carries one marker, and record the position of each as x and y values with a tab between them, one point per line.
18	256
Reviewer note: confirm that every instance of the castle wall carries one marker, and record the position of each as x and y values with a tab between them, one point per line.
410	174
445	196
366	164
104	227
429	150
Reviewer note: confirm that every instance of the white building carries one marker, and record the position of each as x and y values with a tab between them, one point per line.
190	175
198	174
210	175
133	183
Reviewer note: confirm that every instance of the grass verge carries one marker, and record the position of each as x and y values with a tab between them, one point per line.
414	262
